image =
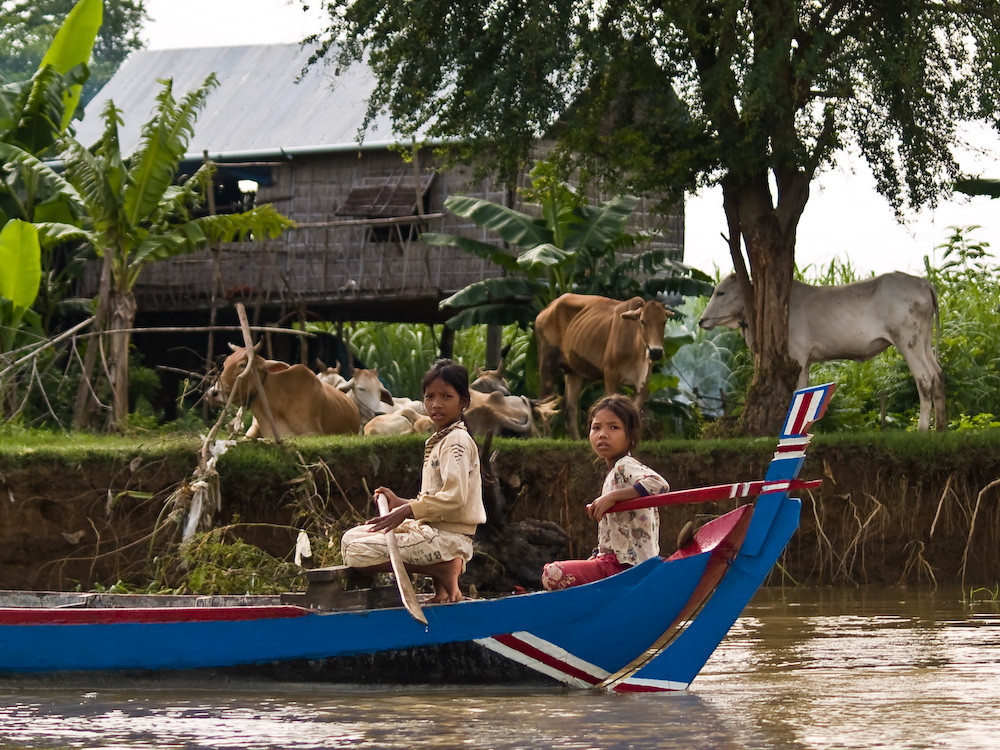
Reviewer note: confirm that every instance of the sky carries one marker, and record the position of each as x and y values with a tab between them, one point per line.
845	219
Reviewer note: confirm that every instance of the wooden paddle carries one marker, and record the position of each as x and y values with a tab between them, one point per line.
403	582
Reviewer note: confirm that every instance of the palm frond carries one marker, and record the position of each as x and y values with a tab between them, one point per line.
259	223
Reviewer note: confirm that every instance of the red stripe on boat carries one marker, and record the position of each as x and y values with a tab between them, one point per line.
145	616
627	687
515	643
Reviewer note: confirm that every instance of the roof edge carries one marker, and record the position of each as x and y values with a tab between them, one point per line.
293	151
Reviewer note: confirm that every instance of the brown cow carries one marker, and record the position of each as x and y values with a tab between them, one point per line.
597	338
300	402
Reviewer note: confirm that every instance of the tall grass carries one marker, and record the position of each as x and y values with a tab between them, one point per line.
404	352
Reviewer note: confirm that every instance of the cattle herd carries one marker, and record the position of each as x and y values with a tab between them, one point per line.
591	338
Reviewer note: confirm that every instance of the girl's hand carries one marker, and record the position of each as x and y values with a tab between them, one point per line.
394	500
603	504
392	519
600	506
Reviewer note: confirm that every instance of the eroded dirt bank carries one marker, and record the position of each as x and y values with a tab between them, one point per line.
880	517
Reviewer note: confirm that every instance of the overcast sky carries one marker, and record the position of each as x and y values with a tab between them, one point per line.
844	219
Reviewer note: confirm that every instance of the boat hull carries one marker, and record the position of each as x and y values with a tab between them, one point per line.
649	628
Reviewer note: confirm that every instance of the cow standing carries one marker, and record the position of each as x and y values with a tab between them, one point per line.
597	338
854	321
300	403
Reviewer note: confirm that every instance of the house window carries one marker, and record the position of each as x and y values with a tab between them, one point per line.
391	204
234	185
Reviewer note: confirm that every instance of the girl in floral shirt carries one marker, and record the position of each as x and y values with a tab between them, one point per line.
626	538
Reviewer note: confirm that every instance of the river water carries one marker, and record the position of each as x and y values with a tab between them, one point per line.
803	668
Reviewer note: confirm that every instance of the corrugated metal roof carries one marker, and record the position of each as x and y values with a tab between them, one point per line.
258	108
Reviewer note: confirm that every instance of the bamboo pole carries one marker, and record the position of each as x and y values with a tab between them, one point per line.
251	354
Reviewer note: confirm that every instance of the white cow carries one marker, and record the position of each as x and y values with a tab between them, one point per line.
854	321
368	393
373	398
401	422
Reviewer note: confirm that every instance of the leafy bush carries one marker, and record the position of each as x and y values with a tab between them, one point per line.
404	352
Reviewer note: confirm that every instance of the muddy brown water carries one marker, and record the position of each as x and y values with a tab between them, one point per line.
803	668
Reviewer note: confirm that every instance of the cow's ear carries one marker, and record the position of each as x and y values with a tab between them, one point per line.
271	366
345	387
632	314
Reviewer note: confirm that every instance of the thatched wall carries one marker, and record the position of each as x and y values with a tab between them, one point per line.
341	267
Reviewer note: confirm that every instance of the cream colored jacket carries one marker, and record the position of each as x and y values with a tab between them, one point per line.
451	494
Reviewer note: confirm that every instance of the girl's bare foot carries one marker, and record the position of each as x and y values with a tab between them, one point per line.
445	576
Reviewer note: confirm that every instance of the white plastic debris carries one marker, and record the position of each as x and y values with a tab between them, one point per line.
302	548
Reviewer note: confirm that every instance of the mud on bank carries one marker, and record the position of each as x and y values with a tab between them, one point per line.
903	508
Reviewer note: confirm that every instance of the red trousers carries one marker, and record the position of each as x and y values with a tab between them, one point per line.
565	573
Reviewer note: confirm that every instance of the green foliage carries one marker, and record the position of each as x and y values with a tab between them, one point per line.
28	26
572	246
404	352
135	212
20	274
703	366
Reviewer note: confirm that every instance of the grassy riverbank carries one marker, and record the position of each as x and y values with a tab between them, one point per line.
895	507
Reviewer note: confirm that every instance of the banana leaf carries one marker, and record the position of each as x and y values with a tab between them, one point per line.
72	46
513	226
494	314
497	255
20	275
511	289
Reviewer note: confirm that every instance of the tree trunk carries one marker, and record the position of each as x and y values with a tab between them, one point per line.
86	388
123	309
769	236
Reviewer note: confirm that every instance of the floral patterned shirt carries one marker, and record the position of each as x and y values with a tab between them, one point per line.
632	536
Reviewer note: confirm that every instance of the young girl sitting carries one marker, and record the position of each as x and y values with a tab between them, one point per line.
626	538
434	530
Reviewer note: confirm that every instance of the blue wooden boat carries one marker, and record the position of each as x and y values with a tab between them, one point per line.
650	628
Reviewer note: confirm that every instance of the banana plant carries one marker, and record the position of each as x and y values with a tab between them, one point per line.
33	115
571	246
20	275
135	213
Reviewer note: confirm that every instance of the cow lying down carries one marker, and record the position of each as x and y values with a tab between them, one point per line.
300	403
401	422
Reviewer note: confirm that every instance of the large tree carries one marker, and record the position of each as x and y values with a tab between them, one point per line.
754	95
27	27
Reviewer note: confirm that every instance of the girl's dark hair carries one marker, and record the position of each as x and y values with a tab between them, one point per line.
453	374
622	406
